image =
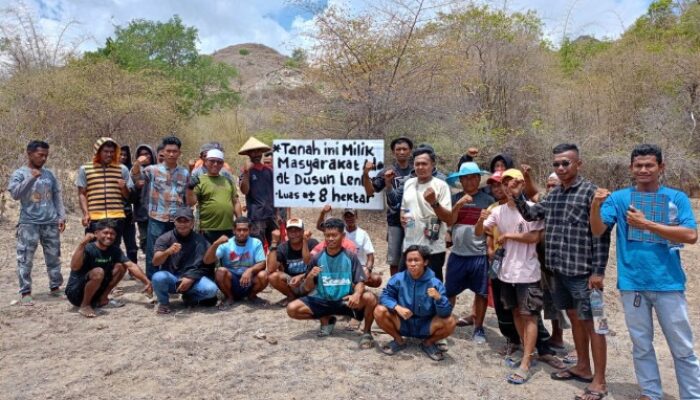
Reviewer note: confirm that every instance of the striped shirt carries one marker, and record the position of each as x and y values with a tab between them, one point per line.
570	248
166	190
104	197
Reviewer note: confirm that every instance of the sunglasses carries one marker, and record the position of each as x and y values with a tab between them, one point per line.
565	164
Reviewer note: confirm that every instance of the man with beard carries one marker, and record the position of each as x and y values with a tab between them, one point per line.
242	273
97	266
42	218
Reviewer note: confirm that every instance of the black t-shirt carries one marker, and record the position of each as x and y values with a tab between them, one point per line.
260	197
191	255
292	260
393	214
96	258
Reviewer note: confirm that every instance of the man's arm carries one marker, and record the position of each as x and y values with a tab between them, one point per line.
370	262
245	180
526	237
161	256
677	233
272	264
366	180
598	227
454	214
484	222
82	199
136	272
57	195
531	190
322	216
76	262
210	256
444	214
21	185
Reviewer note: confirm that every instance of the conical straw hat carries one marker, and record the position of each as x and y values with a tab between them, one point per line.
253	144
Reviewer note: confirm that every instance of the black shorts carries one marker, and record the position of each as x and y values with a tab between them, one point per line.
572	293
75	289
262	229
323	308
527	297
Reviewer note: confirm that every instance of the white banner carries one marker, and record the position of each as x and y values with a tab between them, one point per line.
311	173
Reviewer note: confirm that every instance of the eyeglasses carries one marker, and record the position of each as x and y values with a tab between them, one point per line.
565	164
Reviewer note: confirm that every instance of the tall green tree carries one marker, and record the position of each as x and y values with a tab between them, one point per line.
170	49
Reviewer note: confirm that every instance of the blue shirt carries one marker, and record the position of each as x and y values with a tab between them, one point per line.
646	265
239	258
339	274
40	197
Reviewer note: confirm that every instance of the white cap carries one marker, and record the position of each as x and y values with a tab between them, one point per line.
553	175
216	154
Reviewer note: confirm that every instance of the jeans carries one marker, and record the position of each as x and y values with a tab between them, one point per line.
155	230
28	238
672	314
165	283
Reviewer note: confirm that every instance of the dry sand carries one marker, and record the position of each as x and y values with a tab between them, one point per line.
50	352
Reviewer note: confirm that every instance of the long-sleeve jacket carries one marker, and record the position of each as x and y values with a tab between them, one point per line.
40	197
411	293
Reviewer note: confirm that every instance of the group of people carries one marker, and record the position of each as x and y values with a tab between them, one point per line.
519	249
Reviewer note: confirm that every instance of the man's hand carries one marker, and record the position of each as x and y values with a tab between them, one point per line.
502	238
369	165
121	183
307	235
389	175
185	285
526	169
515	187
296	281
89	237
35	172
247	277
466	199
315	271
85	220
433	293
326	209
275	236
635	218
484	214
430	196
61	226
148	290
353	300
600	195
142	160
247	166
174	249
191	164
221	240
403	312
596	281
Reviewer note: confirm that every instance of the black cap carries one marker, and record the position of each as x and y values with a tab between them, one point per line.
184	212
401	139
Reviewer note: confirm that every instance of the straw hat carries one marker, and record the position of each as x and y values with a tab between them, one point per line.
253	144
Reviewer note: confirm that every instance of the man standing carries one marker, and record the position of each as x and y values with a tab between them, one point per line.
216	196
103	187
166	184
425	209
242	273
140	195
42	219
257	186
335	282
180	256
578	260
650	273
288	261
97	266
467	267
392	178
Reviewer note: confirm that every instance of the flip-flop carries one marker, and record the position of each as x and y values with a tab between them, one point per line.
366	341
57	293
552	361
26	301
518	377
393	347
326	330
468	321
596	395
163	309
557	376
442	345
113	303
569	359
432	351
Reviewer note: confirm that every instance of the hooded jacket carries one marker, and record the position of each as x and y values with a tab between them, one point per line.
411	293
101	183
503	157
140	197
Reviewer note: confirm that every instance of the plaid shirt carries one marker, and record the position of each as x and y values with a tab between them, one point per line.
166	190
570	248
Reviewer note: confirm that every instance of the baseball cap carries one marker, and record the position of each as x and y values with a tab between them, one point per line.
495	177
295	223
215	154
184	212
513	173
350	211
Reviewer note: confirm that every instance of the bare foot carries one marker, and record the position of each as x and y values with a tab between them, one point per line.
87	312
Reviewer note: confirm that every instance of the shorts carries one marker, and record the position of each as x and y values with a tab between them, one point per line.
528	298
572	292
239	292
394	239
323	308
299	290
76	289
262	229
550	311
467	272
415	327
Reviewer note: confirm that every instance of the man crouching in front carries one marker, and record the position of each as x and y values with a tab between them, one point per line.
335	283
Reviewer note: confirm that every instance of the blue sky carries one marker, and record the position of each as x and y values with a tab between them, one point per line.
279	23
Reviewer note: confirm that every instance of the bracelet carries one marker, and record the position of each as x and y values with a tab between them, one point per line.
272	248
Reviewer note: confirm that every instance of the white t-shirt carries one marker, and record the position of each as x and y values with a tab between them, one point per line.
364	244
520	264
422	212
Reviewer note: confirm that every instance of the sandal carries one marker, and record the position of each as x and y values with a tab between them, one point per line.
326	330
27	300
393	347
163	309
518	377
57	292
366	341
442	345
113	303
552	361
568	375
589	394
465	321
432	351
570	359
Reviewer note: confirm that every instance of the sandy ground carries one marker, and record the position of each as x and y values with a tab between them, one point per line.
50	352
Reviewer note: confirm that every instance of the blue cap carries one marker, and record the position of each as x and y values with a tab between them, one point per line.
467	168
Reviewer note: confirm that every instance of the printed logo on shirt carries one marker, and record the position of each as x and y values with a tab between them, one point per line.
330	281
296	267
240	258
521	227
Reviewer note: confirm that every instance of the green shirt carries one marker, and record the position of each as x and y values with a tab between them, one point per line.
215	195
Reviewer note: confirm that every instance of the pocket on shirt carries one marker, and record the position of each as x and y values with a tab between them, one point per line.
578	216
